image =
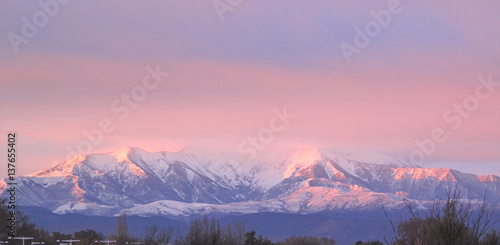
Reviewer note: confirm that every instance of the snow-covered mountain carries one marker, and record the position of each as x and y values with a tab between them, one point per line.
194	182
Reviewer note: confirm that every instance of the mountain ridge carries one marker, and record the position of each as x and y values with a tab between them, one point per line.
191	182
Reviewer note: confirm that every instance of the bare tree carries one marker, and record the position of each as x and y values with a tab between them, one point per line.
228	236
453	222
153	235
491	238
239	231
122	229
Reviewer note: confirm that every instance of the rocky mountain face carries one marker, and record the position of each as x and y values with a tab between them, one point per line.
192	182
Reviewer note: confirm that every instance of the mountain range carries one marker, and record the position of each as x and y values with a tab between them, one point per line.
193	182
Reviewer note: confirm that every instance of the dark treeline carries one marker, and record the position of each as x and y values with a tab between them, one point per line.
452	222
206	231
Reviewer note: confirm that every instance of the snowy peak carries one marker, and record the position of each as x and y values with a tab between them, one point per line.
315	163
488	178
301	161
371	158
123	154
63	169
306	181
444	174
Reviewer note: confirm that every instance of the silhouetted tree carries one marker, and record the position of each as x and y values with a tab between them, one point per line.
153	235
23	225
377	242
88	237
228	237
454	222
204	232
250	238
239	232
491	238
61	236
307	240
122	229
4	216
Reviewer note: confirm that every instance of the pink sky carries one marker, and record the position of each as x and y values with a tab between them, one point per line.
226	77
